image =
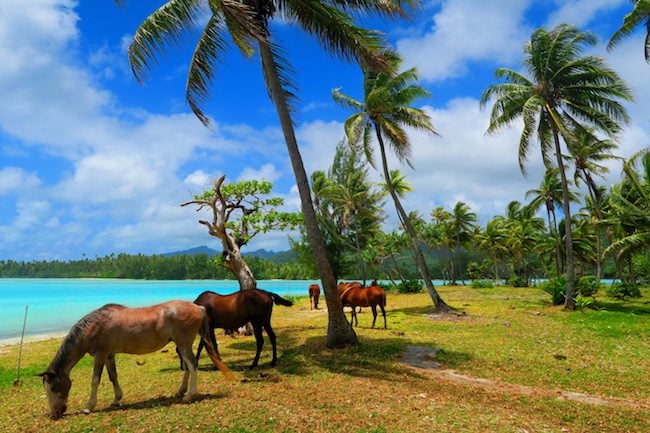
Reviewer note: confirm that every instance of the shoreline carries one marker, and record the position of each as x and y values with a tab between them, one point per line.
15	341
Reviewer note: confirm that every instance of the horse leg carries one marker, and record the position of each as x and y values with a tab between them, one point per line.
353	317
189	374
272	338
316	302
100	360
311	302
383	312
112	375
259	340
374	314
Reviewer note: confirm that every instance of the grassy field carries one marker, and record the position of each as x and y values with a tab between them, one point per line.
509	363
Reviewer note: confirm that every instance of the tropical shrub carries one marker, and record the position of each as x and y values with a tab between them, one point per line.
587	286
585	302
624	290
410	286
482	284
517	282
556	287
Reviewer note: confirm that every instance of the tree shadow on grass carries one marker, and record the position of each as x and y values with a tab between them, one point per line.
622	307
157	402
374	358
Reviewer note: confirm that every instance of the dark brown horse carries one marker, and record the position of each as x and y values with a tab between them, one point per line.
355	295
236	309
117	329
314	294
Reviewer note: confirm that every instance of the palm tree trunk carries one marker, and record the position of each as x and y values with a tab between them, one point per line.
570	302
439	305
339	330
553	230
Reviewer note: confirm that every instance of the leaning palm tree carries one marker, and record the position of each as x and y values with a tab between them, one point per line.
640	15
386	110
247	24
565	91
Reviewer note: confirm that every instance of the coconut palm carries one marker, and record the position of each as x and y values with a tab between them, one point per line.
565	91
247	23
492	239
549	193
386	109
463	225
640	14
587	152
630	210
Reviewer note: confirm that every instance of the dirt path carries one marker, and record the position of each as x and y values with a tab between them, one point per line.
422	359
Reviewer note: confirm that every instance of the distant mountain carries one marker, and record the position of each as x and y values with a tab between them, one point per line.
197	250
277	257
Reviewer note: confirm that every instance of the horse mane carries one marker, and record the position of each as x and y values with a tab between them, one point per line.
77	332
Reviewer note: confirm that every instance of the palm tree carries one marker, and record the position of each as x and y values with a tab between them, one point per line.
247	23
566	91
463	225
549	193
630	211
386	110
640	15
492	239
587	152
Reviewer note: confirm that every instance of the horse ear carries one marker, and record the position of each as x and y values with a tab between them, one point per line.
47	376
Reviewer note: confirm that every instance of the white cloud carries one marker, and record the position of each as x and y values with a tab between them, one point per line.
198	178
464	31
15	179
580	12
266	172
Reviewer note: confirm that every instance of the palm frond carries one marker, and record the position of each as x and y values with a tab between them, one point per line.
336	32
163	27
202	67
346	101
281	65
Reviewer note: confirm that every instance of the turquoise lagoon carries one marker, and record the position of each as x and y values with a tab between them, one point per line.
56	304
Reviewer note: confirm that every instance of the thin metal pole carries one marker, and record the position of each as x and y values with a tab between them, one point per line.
20	350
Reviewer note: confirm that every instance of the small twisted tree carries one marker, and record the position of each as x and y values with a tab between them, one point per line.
240	211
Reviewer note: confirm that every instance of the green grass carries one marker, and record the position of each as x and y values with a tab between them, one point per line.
513	337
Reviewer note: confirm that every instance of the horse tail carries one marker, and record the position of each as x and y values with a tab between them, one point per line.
207	342
279	299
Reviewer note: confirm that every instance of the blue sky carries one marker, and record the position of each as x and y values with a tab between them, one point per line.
93	163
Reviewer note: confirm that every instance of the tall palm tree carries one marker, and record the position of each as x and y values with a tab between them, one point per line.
549	194
386	109
640	14
492	239
565	91
463	225
631	207
587	152
247	24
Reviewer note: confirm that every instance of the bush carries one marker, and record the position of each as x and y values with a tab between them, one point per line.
482	284
587	286
517	282
556	287
585	302
623	291
410	286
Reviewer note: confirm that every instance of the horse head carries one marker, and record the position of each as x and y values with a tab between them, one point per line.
57	387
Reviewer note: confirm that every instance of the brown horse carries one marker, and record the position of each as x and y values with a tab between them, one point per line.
236	309
117	329
355	295
314	294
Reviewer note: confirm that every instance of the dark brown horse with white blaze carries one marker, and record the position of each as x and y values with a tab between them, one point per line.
115	329
239	308
355	295
314	294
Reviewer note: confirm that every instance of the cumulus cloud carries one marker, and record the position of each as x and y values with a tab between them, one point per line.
467	31
266	172
580	12
15	179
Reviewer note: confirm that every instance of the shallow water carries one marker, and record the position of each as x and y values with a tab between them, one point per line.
56	304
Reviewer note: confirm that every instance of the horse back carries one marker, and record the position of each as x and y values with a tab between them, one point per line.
236	309
145	329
